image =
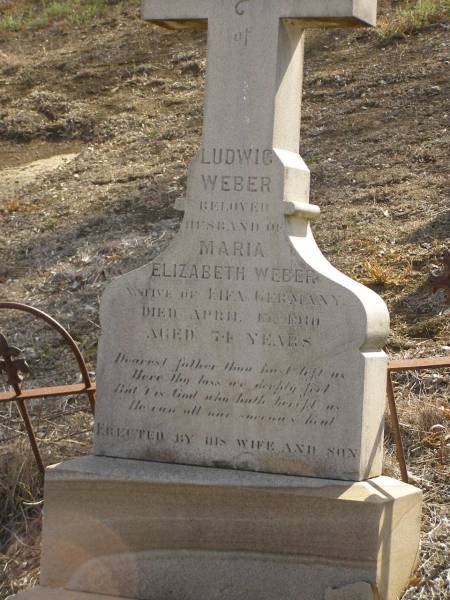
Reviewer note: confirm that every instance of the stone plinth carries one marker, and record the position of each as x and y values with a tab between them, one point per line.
153	531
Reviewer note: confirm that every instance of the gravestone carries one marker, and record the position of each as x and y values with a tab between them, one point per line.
241	378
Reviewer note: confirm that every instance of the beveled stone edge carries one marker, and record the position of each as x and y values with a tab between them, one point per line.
46	593
378	489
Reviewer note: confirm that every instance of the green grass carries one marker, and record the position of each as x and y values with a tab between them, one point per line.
412	16
57	10
11	22
42	13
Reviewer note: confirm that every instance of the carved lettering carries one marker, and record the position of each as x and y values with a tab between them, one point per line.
237	156
217	248
105	430
239	8
289	319
214	441
215	315
226	295
257	338
196	388
157	312
222	226
223	206
291	297
285	275
192	271
171	334
236	183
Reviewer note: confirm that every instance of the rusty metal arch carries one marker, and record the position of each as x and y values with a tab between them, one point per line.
19	396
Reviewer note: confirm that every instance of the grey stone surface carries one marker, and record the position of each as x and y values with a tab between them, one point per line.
152	564
152	531
355	591
241	346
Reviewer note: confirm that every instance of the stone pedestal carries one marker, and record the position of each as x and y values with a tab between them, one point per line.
153	531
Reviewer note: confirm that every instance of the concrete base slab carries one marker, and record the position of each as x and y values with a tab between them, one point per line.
153	531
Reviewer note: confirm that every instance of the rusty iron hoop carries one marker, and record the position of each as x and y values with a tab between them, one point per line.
19	396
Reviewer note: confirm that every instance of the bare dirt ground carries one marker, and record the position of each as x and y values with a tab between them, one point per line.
97	125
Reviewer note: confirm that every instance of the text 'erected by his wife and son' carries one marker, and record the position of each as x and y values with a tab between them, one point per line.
289	447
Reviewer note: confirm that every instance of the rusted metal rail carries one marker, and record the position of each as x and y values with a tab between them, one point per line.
48	392
14	366
396	366
418	364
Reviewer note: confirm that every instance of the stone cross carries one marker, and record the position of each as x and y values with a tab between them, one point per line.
240	346
255	58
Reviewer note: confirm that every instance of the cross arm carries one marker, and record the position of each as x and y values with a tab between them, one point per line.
177	14
193	14
331	13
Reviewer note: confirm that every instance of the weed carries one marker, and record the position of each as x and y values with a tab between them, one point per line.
51	222
151	132
12	22
377	275
58	10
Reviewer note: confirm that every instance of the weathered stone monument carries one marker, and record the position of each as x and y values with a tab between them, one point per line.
241	378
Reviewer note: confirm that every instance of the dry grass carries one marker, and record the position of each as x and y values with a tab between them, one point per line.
377	275
410	17
422	400
38	14
63	427
64	432
20	501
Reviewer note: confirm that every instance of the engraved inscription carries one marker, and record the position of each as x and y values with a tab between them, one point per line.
236	183
300	393
221	248
237	156
194	271
223	206
240	7
242	36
